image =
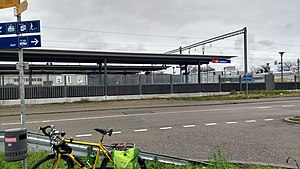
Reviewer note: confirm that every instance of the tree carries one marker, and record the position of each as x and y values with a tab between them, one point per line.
194	68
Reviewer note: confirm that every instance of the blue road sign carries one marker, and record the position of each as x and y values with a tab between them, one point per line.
20	27
20	42
247	78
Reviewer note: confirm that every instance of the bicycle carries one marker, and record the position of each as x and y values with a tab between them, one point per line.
61	156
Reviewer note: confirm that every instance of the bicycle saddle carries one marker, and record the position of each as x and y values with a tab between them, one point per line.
105	131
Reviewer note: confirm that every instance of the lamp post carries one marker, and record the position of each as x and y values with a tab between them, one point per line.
281	54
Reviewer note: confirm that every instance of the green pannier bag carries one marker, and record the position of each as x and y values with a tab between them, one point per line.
127	159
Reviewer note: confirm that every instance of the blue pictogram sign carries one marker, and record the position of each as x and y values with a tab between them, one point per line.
20	42
20	27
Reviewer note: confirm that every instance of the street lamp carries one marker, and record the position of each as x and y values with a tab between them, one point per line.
281	54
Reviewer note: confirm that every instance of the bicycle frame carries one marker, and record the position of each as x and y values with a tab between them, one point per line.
98	145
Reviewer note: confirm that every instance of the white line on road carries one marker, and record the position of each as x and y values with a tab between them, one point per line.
266	107
140	130
116	132
288	106
211	124
119	116
84	135
268	119
250	121
231	122
187	126
165	128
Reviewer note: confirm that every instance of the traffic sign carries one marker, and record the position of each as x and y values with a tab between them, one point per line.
220	61
20	27
20	42
247	78
8	3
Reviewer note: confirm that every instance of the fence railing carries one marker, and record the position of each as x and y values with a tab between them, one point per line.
225	84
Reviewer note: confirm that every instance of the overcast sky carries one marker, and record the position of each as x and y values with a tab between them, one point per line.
158	26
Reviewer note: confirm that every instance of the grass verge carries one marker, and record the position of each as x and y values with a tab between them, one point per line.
218	161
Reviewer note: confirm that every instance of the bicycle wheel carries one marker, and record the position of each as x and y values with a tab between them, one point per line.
107	165
49	163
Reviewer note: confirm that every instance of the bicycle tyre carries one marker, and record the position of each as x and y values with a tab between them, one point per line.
45	162
105	162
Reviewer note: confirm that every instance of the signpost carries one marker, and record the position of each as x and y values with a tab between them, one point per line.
19	42
8	3
247	78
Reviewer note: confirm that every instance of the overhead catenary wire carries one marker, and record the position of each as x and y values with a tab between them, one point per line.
159	36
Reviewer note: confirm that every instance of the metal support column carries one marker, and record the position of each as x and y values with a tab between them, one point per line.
22	88
100	72
199	77
140	85
186	74
3	80
105	78
30	78
65	85
245	51
220	84
171	84
298	64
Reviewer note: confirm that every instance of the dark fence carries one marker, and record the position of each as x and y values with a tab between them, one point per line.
35	92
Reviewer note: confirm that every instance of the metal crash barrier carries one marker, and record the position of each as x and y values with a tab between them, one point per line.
42	142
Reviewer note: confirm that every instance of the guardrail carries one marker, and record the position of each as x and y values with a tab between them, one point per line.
37	141
42	142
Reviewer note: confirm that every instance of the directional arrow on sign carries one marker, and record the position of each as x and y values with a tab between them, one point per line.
35	41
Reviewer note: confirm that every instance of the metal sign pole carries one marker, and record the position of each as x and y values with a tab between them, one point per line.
22	88
298	62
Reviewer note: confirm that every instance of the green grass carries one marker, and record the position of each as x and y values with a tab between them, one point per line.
218	161
254	94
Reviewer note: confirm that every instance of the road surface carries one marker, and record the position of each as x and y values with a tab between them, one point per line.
244	132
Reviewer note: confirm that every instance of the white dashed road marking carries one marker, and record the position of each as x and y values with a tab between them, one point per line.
288	106
187	126
266	107
250	121
116	132
268	119
165	128
140	130
231	122
84	135
211	124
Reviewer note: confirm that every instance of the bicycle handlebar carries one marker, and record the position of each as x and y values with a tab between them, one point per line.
45	128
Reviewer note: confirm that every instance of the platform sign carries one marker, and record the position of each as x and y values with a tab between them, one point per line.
220	61
20	27
8	3
20	42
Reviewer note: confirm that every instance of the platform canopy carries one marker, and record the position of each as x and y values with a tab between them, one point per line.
74	56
